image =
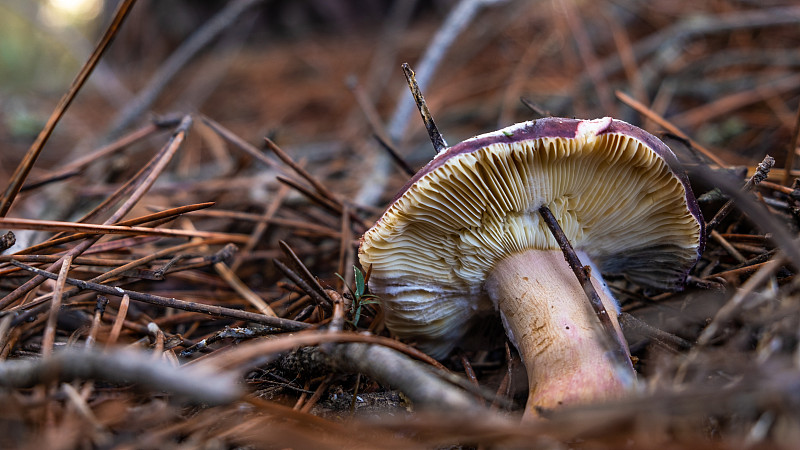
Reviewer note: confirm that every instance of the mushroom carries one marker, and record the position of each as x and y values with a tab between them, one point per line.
464	238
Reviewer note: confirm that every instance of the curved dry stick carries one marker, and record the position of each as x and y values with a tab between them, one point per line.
381	358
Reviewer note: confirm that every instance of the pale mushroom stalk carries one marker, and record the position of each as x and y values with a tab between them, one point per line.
565	351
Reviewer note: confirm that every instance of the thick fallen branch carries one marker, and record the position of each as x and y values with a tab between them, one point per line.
122	366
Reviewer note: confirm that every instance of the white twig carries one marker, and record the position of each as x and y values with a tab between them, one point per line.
178	61
459	17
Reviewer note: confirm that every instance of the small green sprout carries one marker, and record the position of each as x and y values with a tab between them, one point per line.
360	297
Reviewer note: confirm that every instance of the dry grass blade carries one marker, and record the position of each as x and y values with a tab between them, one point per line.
88	229
652	115
242	289
55	306
168	214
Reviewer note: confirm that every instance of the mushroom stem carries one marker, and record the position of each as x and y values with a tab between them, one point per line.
559	337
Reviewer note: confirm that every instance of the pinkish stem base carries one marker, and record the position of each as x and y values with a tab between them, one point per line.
548	317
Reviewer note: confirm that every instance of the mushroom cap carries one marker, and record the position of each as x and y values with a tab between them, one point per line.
614	188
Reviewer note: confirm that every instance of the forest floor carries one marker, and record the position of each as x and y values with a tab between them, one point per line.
170	278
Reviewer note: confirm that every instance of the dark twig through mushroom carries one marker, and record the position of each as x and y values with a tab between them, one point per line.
618	349
436	138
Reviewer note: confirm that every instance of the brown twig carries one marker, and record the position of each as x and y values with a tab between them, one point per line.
99	310
378	130
75	167
304	272
631	324
81	260
392	151
31	307
311	195
534	107
760	175
323	386
137	187
240	143
211	310
165	215
317	228
337	320
727	246
470	373
298	169
733	101
735	302
301	283
763	219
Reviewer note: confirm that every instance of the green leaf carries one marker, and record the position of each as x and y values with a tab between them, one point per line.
360	284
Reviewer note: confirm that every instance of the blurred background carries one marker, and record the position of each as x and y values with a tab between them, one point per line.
725	72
